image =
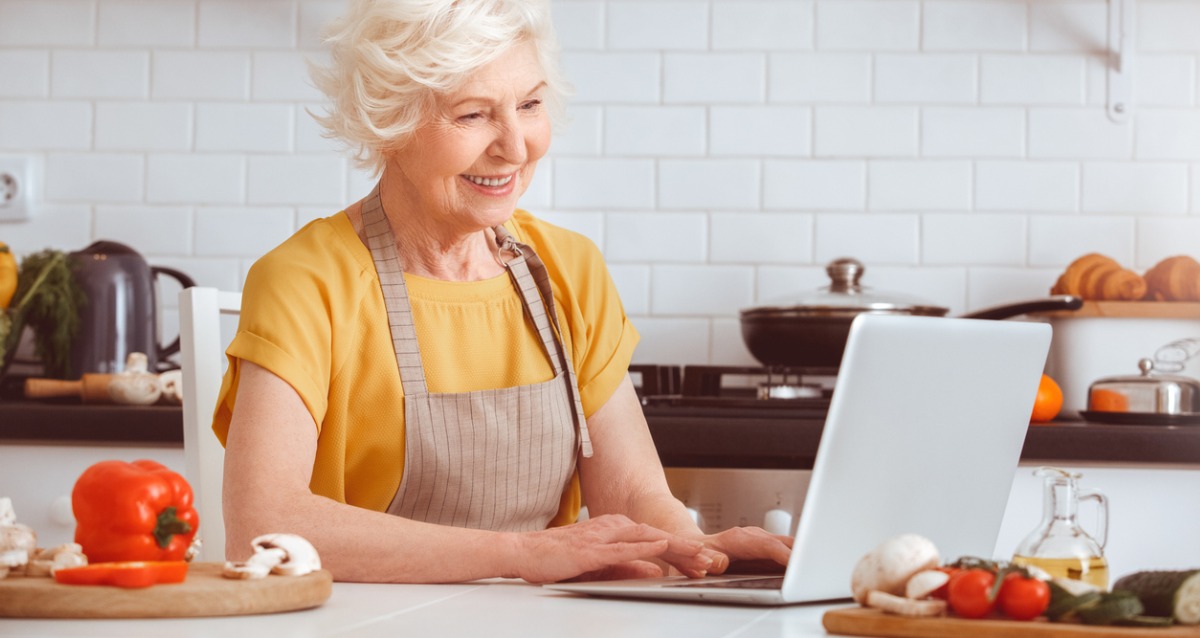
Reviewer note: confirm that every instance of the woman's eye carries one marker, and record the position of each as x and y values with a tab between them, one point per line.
531	105
470	116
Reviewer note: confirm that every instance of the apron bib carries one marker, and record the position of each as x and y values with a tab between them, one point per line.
489	459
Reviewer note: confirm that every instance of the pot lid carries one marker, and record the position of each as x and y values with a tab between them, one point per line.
1150	392
845	296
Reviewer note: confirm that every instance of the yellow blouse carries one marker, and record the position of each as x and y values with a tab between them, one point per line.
313	314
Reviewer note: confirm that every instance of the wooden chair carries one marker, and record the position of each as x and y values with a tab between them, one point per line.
202	357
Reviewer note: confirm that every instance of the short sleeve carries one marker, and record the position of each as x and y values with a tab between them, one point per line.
286	322
611	339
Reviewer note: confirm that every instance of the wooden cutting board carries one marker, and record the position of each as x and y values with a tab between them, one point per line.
859	621
203	593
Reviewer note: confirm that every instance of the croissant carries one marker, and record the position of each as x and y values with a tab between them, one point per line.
1174	279
1100	278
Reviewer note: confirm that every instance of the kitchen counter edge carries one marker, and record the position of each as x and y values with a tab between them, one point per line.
681	441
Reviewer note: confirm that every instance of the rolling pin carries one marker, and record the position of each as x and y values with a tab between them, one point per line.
92	388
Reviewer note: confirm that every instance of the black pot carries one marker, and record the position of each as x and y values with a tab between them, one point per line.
812	332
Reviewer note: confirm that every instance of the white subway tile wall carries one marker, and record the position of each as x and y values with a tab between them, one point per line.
719	152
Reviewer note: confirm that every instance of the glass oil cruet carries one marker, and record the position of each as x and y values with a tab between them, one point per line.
1058	544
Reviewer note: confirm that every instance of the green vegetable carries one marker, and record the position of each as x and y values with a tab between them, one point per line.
48	300
1173	594
1064	605
1146	621
1111	608
1094	607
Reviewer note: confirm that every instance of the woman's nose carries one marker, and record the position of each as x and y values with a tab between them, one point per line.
509	144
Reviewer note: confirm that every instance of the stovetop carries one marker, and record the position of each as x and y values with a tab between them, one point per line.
734	391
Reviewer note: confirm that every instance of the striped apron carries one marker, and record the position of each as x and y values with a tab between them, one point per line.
489	459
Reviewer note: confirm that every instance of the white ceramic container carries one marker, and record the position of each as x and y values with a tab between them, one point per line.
1105	339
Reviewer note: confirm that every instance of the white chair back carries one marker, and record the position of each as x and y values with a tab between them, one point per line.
202	355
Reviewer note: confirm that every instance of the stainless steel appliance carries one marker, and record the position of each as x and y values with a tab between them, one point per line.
779	413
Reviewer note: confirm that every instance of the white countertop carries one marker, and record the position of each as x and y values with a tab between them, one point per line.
495	609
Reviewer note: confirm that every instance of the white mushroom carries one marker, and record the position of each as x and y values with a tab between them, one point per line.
888	567
136	385
300	557
283	554
12	559
905	606
172	386
17	542
17	545
924	583
193	550
257	566
46	561
8	516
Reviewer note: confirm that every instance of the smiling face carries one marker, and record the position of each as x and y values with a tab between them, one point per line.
474	156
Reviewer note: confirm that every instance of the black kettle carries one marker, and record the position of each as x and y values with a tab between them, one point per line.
119	315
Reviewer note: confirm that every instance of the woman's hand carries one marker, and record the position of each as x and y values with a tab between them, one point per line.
605	547
744	544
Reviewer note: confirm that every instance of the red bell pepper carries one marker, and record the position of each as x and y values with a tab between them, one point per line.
130	574
139	511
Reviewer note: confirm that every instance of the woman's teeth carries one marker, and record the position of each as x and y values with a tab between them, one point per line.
489	181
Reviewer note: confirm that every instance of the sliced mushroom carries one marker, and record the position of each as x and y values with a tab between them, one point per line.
8	516
905	606
47	561
283	554
300	557
11	560
924	583
17	545
257	566
193	550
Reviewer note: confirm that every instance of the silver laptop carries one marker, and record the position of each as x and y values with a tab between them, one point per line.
924	432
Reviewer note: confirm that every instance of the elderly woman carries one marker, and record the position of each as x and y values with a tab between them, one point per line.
429	384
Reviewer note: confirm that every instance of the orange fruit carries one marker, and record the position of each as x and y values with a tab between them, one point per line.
1048	402
1108	401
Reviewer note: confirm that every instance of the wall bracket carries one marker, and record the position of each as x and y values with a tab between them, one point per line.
1120	59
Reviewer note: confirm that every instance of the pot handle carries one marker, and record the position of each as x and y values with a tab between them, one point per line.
186	282
1056	302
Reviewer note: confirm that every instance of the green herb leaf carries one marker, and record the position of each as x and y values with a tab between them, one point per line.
48	300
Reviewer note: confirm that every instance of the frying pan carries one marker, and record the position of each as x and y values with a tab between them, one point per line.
812	332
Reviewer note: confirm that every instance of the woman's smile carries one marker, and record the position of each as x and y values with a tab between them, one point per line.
495	185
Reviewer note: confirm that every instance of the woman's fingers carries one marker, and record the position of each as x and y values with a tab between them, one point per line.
616	547
621	571
751	543
599	544
690	557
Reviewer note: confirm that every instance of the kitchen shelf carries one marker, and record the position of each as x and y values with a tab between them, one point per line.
75	423
682	441
777	443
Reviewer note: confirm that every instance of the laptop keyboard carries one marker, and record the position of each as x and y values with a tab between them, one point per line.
771	582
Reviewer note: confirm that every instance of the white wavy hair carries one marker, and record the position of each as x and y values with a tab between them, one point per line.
391	58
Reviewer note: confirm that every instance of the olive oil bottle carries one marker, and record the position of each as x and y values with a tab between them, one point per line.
1058	544
1093	570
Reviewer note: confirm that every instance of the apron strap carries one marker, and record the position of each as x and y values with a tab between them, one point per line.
529	275
532	280
377	235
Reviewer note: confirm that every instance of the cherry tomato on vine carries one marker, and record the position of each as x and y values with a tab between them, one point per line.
970	593
1023	598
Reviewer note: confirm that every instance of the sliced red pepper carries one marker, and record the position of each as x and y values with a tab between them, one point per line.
130	574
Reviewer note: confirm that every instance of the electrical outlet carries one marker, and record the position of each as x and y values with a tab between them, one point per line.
16	187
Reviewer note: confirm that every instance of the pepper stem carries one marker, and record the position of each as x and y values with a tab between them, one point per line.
169	524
